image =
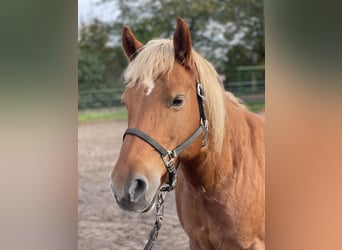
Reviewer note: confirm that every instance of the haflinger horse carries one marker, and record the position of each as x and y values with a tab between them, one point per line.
220	189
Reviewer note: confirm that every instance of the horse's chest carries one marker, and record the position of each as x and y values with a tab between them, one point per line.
207	224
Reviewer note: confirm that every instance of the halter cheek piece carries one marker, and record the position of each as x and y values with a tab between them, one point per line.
169	156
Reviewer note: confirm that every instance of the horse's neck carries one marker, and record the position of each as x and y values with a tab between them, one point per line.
210	169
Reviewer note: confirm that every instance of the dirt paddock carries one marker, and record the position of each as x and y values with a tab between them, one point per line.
101	223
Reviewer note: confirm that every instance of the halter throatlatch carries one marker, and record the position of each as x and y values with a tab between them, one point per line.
168	157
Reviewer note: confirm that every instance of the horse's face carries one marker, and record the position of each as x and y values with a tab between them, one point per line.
167	111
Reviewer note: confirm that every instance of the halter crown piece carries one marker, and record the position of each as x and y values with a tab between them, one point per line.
168	157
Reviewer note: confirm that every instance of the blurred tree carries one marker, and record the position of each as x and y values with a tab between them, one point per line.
96	46
94	37
91	70
247	34
228	33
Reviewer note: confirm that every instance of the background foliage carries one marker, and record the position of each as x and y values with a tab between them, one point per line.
227	33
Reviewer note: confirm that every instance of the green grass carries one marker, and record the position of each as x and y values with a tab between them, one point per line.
255	106
101	116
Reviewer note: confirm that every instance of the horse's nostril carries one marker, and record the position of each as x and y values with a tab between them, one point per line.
137	189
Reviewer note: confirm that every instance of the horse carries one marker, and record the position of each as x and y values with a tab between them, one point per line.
175	99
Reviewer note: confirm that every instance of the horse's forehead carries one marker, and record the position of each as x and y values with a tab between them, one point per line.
178	75
179	69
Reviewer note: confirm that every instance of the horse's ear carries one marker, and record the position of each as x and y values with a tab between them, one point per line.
129	43
182	43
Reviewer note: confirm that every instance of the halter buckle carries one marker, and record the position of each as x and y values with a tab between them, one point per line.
205	124
169	159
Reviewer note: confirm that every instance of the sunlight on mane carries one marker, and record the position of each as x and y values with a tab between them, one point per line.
157	58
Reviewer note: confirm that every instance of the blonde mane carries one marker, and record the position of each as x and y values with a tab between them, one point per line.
157	58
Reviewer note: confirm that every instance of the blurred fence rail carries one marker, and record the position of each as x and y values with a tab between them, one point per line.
245	82
100	98
248	91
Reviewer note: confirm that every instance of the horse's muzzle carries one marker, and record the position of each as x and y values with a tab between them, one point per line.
135	196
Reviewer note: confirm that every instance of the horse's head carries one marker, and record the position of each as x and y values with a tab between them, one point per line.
161	101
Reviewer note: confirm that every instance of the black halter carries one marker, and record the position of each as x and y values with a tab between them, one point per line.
169	156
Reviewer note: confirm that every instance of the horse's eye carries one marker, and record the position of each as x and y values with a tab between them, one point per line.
178	101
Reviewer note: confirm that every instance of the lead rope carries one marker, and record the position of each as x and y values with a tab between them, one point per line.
160	206
159	220
160	202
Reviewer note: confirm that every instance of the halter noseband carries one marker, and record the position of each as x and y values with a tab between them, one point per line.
169	156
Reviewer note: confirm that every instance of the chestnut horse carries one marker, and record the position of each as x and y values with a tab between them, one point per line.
220	192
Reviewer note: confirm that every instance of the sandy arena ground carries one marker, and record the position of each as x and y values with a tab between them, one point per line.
101	223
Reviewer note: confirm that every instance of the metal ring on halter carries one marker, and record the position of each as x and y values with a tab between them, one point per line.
169	159
200	91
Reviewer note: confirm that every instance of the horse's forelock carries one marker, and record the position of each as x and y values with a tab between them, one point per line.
154	59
